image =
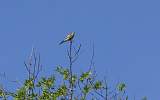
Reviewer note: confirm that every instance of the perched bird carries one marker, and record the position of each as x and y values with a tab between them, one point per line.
69	37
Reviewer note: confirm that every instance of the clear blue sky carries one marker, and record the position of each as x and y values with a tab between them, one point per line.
126	34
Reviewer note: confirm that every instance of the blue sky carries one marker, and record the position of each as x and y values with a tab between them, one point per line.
125	34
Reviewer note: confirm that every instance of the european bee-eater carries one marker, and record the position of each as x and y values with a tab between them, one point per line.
69	37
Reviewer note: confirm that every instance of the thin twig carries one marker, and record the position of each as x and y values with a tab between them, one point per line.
70	67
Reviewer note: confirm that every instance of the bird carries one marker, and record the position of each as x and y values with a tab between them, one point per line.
69	37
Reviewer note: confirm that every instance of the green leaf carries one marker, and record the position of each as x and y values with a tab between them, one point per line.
64	72
62	90
21	93
29	84
1	93
121	87
46	83
74	78
86	89
45	95
85	76
97	85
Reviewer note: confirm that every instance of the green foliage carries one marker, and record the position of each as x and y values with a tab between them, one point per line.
21	93
121	87
2	93
74	78
46	83
97	85
46	88
64	72
62	90
86	89
73	86
29	84
45	95
85	76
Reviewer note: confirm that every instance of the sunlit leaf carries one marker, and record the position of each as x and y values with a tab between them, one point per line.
85	76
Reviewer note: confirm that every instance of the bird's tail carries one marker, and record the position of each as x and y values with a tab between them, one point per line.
61	42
